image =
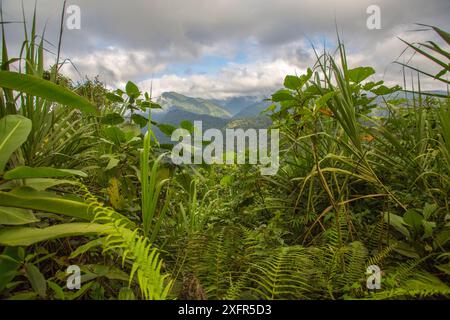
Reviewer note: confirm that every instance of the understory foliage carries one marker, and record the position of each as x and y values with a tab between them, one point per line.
364	180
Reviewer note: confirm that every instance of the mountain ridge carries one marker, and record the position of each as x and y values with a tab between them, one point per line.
237	112
169	100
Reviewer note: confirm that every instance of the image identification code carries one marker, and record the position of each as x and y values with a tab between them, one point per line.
226	309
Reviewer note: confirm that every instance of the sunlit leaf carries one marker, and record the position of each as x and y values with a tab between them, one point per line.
28	173
14	131
39	87
16	216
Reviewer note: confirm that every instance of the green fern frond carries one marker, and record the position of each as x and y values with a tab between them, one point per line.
419	285
285	272
134	248
234	292
356	265
380	256
377	234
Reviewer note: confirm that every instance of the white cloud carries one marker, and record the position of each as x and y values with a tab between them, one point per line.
115	65
258	78
133	41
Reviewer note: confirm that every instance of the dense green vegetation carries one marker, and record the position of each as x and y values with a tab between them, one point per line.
364	180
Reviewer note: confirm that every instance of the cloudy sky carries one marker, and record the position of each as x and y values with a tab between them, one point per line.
223	48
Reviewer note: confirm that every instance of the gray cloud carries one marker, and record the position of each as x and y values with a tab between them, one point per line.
135	39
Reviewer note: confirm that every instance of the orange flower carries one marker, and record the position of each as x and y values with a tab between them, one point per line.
368	138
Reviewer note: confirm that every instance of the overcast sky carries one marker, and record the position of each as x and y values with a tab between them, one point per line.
223	48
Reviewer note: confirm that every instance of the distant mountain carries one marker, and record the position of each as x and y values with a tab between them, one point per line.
236	104
252	111
175	116
250	117
169	100
215	114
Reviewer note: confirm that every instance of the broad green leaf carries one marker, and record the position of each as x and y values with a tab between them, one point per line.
59	292
383	90
114	135
37	280
29	173
282	95
370	85
29	236
185	124
357	75
42	184
16	216
167	129
14	131
139	120
292	82
397	222
110	272
112	119
113	97
154	105
113	162
406	250
414	219
39	87
28	198
132	90
144	105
